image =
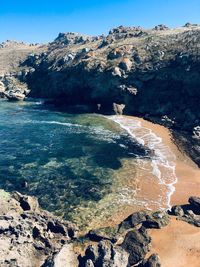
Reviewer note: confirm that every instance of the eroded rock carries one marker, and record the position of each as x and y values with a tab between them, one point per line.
104	254
26	240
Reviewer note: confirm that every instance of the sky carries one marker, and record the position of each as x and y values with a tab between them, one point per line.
42	20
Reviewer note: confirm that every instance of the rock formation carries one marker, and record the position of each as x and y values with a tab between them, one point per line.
30	236
151	73
190	212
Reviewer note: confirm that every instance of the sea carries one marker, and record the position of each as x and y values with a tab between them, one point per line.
91	169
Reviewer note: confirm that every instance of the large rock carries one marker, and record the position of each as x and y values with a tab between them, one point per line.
152	261
70	38
118	108
14	96
190	212
177	211
64	258
133	220
105	254
195	202
137	244
30	237
156	219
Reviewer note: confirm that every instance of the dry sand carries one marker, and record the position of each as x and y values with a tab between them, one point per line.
178	244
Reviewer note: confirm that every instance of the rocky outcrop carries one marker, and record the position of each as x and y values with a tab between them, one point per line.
30	236
152	261
190	212
132	236
118	108
154	73
104	254
157	220
133	249
12	88
136	243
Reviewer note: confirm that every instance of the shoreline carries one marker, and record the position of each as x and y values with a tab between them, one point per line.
187	172
180	240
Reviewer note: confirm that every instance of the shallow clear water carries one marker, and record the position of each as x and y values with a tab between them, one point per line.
74	164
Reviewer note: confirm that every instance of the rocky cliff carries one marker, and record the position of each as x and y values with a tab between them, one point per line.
154	73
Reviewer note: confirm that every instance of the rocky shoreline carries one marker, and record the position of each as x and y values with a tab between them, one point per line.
151	73
34	237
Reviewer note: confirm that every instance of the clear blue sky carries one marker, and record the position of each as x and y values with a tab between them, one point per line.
42	20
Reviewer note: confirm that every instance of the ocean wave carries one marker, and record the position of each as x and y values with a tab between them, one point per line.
53	122
163	162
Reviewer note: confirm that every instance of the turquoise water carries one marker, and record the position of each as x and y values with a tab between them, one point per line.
68	161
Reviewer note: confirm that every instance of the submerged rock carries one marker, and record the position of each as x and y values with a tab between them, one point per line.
107	233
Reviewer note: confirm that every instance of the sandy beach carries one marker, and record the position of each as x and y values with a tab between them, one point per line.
187	171
178	244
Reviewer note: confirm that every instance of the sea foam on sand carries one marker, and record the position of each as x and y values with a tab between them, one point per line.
163	161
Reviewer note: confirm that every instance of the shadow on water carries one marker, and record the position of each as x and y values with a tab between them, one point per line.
64	166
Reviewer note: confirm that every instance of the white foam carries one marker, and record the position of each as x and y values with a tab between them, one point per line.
54	122
163	161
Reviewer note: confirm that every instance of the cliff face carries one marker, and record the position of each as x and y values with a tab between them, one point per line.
153	72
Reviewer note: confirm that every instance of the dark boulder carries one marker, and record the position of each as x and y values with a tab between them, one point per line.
177	211
152	261
157	220
195	202
136	243
133	220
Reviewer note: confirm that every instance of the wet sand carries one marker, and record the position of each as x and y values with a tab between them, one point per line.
178	244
